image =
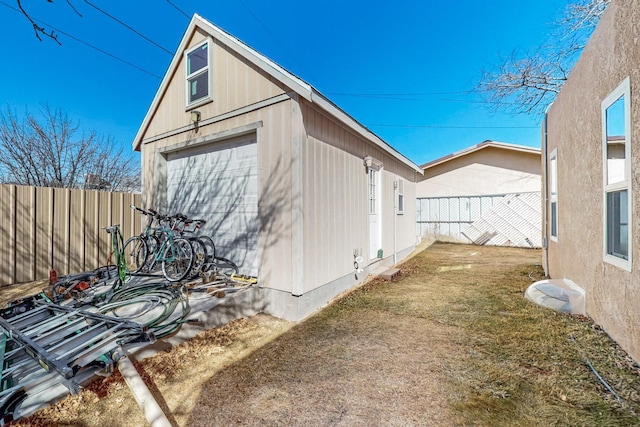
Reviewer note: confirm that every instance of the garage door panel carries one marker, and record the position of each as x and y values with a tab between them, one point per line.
219	183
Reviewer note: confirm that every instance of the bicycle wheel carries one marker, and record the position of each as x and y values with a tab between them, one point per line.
135	254
153	247
209	246
199	255
177	260
225	266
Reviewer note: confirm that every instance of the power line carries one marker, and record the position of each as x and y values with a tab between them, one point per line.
453	127
409	96
124	61
383	95
129	27
178	9
413	97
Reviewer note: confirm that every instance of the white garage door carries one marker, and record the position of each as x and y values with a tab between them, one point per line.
219	182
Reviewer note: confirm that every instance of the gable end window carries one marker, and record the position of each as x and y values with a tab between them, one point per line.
616	150
197	69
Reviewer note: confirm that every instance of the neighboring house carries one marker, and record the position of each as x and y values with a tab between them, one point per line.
294	190
590	144
485	194
487	168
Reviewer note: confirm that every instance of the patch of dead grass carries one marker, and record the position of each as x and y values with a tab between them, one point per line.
441	346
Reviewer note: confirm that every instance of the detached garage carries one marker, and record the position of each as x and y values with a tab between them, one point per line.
294	190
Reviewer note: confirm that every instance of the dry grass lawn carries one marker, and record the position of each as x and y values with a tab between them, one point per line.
452	343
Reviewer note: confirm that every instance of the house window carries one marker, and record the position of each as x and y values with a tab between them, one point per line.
372	191
197	74
616	148
400	206
553	196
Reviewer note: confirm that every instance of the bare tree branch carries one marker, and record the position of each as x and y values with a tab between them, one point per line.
41	30
74	8
38	29
50	151
582	15
526	83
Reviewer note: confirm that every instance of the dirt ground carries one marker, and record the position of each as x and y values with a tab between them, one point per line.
388	354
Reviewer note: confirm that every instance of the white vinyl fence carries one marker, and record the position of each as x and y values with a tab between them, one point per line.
497	220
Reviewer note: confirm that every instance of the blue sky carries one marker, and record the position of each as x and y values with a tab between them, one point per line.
401	68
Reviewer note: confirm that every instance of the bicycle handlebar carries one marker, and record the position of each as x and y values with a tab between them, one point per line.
149	212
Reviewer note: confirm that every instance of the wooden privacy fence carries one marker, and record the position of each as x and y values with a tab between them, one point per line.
61	228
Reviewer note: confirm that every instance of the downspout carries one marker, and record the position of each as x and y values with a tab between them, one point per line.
545	197
395	218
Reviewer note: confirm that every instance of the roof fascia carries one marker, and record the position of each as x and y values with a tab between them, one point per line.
478	147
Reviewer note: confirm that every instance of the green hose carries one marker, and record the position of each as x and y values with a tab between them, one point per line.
152	296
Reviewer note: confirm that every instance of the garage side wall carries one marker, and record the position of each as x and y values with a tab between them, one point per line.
575	130
335	198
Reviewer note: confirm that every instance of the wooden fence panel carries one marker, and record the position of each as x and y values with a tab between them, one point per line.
59	228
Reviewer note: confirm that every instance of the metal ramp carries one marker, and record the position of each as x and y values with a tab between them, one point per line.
51	347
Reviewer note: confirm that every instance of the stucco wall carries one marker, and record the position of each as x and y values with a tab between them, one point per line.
488	171
574	128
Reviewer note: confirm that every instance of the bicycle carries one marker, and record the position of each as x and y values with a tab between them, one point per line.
185	228
174	254
154	236
211	260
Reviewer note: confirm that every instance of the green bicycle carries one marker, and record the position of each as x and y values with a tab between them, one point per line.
174	254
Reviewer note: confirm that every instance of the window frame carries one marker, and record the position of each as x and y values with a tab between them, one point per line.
189	77
400	198
553	195
372	183
623	90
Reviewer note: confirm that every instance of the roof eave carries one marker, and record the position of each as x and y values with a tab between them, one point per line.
478	147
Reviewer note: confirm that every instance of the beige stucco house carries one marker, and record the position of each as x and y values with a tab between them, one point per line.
591	152
487	168
486	194
293	189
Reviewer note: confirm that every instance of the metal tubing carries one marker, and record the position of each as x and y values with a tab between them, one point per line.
152	411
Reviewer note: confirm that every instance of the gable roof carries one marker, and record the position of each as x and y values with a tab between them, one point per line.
474	148
302	88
